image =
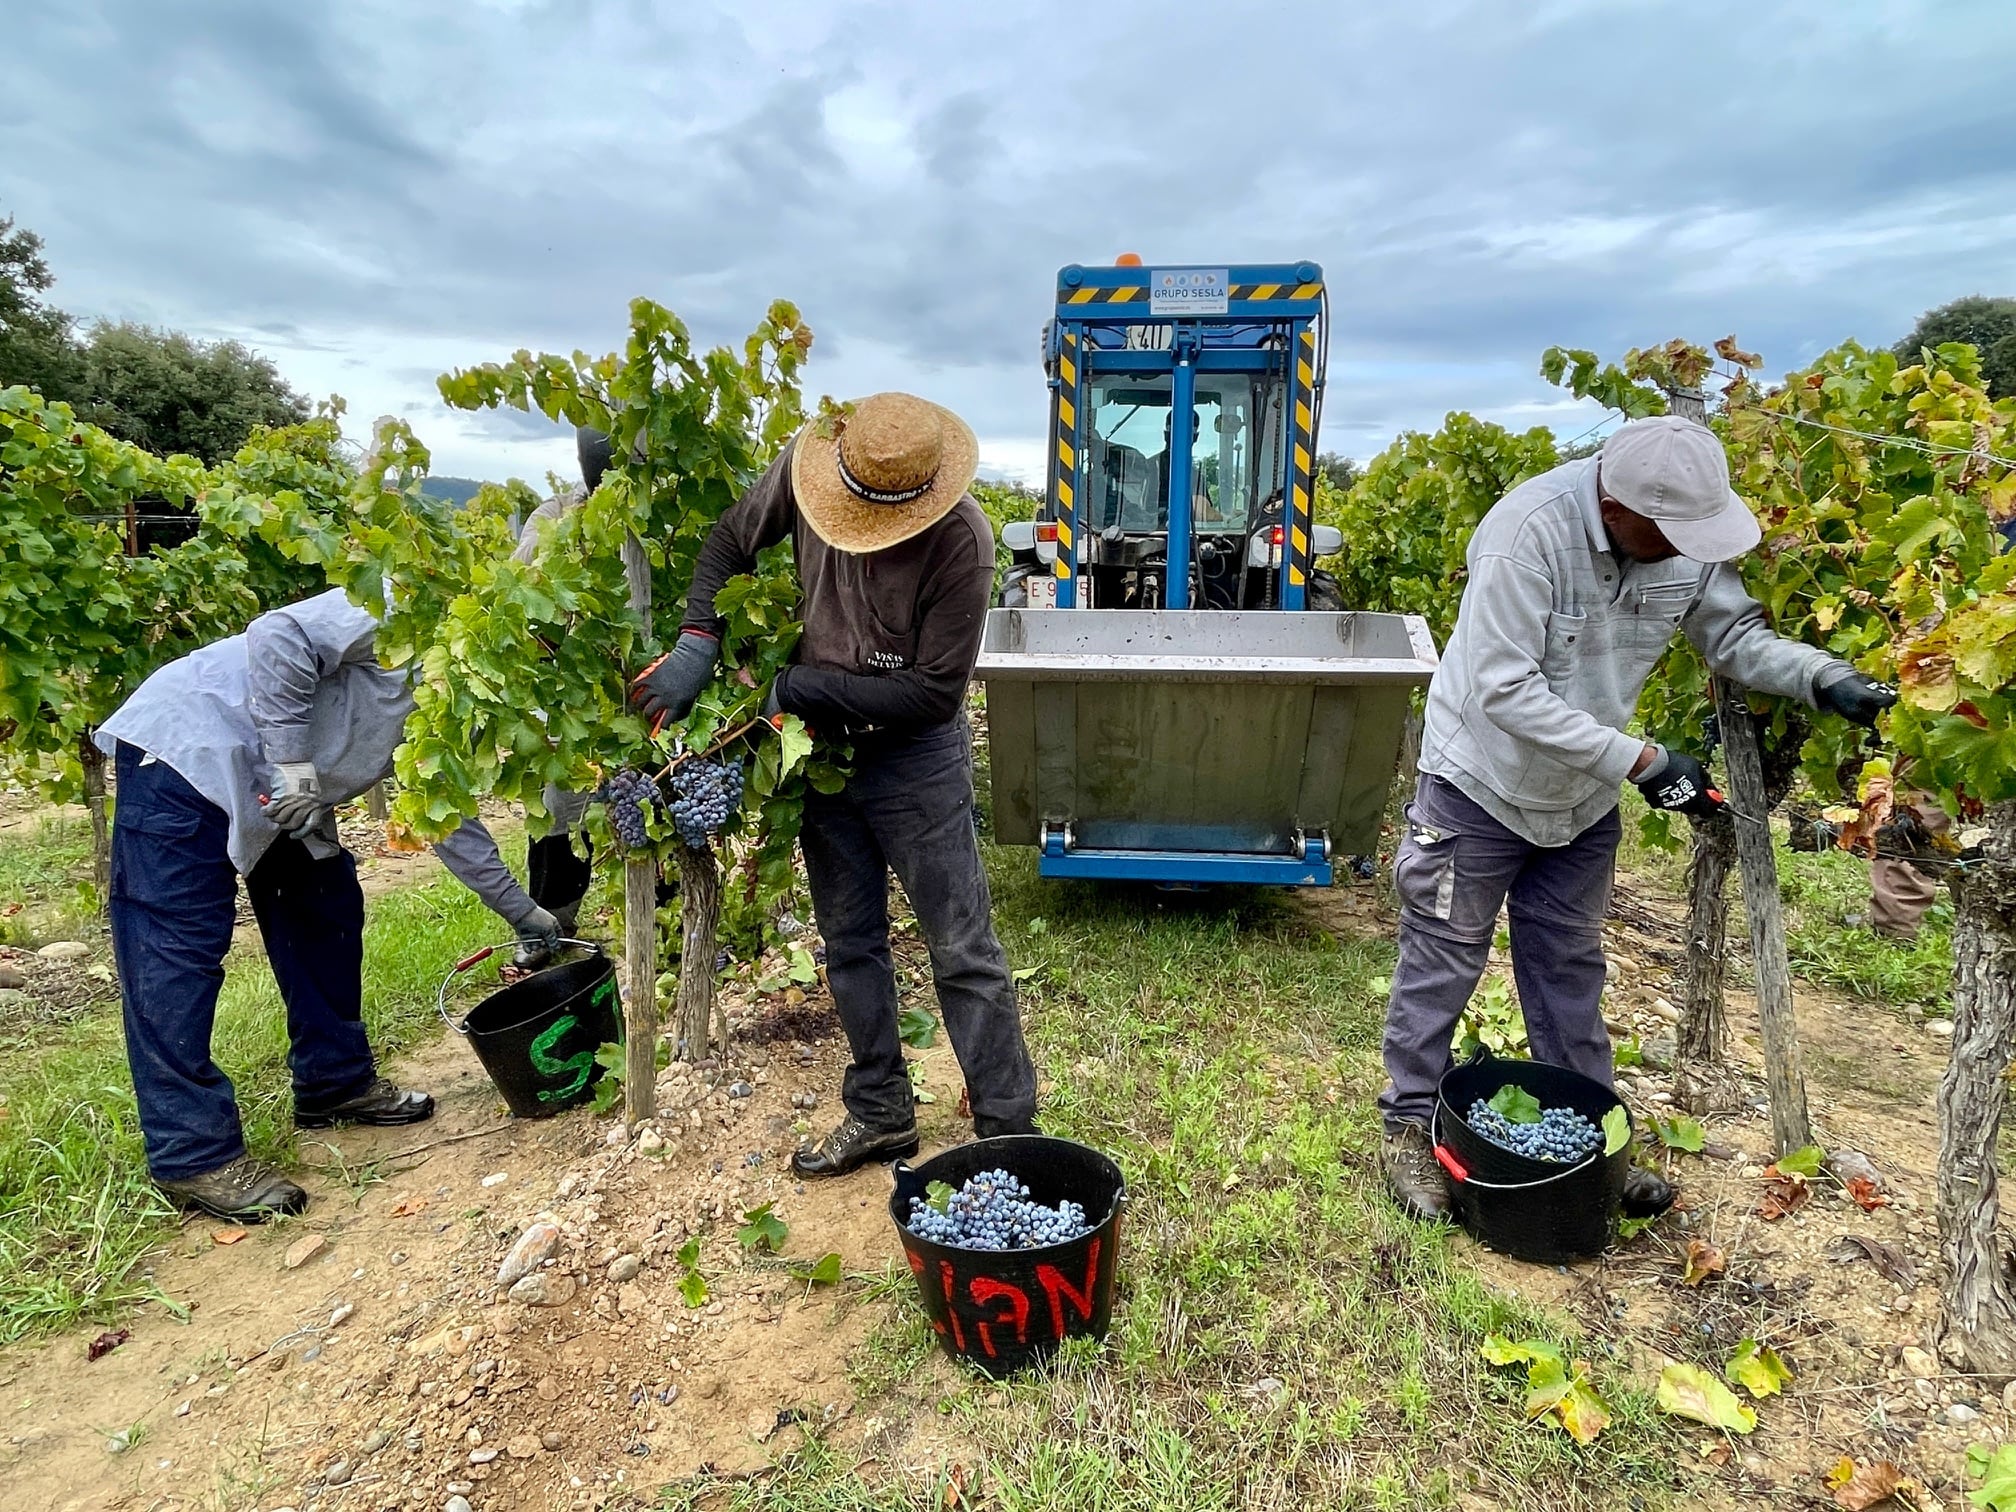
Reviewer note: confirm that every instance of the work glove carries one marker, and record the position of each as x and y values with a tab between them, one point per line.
668	688
1681	785
1856	698
538	938
773	697
295	804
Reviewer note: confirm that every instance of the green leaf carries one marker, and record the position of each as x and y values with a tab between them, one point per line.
1757	1369
1997	1474
1679	1133
825	1271
1803	1162
1627	1052
938	1196
1515	1104
917	1028
762	1229
693	1289
795	744
1616	1130
1500	1350
1630	1228
689	1253
1688	1391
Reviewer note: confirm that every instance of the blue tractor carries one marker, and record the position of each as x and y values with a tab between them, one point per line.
1175	692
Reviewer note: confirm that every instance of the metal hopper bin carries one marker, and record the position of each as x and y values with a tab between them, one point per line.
1192	746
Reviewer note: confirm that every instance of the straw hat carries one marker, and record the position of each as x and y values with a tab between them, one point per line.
888	468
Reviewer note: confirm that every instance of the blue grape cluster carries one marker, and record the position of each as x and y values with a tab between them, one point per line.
628	794
992	1211
704	795
1562	1137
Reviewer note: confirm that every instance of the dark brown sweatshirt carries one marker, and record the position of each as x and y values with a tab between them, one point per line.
890	636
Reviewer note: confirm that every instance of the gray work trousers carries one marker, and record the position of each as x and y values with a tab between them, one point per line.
1455	868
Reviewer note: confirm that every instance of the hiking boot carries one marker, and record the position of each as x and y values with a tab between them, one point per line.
380	1104
852	1145
1413	1175
244	1191
1647	1194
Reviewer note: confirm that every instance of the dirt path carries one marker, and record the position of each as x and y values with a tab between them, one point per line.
388	1368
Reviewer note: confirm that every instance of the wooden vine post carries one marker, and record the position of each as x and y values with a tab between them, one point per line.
640	915
1701	1076
1791	1128
93	761
700	924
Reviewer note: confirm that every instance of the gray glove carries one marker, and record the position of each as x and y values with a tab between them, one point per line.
538	938
296	804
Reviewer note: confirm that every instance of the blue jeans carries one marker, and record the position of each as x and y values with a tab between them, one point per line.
908	808
1456	867
174	900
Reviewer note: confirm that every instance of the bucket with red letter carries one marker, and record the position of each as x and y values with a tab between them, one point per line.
1004	1310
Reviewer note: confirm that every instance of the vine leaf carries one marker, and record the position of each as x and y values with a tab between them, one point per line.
1758	1369
1688	1391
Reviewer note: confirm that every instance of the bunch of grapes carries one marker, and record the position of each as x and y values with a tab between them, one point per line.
992	1211
1561	1137
705	794
628	794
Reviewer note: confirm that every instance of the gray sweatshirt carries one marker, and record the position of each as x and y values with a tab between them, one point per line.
301	684
1554	641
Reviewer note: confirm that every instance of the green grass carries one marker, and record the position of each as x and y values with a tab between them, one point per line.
1822	891
46	870
77	1213
1225	1051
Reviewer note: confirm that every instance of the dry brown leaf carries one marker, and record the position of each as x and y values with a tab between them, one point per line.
1717	1453
227	1235
1878	804
1703	1260
105	1343
1866	1485
1868	1196
401	841
1783	1195
409	1207
1727	349
1896	1266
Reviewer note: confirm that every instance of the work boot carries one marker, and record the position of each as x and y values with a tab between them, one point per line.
996	1128
1647	1194
1413	1175
243	1191
852	1145
380	1104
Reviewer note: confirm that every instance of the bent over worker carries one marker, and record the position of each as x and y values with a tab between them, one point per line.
231	762
1578	581
897	567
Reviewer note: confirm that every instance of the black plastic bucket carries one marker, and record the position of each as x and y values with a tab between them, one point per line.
538	1037
1529	1209
1005	1310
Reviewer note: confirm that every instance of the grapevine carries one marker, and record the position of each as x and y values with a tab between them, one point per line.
629	795
993	1211
705	795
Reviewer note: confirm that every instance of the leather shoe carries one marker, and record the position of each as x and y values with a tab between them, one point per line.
380	1104
242	1191
853	1145
996	1128
1647	1194
1413	1175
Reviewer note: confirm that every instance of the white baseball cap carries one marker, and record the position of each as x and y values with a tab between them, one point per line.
1676	472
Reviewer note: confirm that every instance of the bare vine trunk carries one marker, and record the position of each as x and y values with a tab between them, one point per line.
700	927
1703	1081
640	912
375	804
1977	1285
93	761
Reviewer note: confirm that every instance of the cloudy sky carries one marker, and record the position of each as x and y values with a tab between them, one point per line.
373	192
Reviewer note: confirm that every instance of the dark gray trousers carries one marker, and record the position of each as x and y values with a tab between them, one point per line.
1455	868
908	808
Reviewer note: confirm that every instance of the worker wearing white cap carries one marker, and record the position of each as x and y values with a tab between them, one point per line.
1578	581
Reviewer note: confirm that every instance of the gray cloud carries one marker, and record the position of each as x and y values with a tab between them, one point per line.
374	192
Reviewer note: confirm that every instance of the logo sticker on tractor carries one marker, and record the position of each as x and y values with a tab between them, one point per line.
1194	291
544	1063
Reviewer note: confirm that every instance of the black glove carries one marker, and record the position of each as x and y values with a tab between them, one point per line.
538	938
670	686
1856	698
1682	786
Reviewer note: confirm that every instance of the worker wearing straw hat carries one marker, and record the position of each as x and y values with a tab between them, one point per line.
896	563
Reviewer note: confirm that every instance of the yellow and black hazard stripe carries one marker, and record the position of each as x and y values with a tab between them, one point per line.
1138	293
1065	461
1305	456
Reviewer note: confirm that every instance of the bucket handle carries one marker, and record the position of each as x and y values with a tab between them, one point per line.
477	959
1446	1158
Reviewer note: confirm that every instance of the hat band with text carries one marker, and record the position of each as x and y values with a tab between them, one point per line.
879	495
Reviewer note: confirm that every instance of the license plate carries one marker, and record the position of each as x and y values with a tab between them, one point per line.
1042	592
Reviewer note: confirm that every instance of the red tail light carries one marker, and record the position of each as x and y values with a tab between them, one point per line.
1046	532
1277	537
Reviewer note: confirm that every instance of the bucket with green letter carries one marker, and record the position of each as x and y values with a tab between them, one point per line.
538	1036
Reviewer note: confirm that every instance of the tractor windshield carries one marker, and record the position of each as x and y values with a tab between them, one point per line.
1127	478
